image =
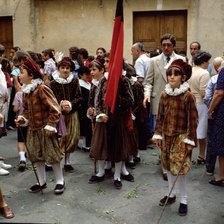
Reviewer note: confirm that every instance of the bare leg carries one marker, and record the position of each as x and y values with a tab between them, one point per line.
2	201
202	146
221	168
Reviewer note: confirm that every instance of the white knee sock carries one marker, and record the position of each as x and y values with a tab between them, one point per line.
171	180
58	173
124	170
107	165
67	159
117	171
182	188
101	170
131	159
22	156
41	172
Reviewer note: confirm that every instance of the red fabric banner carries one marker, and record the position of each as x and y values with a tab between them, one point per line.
116	57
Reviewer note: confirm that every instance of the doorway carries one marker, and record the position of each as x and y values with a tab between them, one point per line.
148	27
6	33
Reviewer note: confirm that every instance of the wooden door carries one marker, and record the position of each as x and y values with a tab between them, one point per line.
148	27
6	33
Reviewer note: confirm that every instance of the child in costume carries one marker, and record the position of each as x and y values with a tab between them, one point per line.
175	133
41	114
85	123
97	107
68	94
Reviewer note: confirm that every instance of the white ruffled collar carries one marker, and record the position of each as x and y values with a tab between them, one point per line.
177	91
106	75
28	88
84	84
95	82
60	80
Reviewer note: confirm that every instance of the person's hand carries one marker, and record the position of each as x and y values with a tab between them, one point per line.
189	148
104	118
65	106
140	80
19	121
158	143
6	98
49	133
145	101
210	114
1	118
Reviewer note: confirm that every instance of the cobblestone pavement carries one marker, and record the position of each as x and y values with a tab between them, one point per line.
83	203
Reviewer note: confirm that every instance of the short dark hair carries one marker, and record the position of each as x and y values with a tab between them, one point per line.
74	52
48	52
201	56
196	42
170	37
101	48
84	53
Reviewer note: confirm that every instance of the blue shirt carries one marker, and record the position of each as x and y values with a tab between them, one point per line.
210	89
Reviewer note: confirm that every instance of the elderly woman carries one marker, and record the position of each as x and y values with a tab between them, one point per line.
217	131
198	83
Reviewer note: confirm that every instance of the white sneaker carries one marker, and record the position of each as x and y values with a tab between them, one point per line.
5	166
3	172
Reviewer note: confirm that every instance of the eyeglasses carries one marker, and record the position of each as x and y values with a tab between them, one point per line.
167	45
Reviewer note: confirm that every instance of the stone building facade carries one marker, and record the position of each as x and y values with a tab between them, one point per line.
39	24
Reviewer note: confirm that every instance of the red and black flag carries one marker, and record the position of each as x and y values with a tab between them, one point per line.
116	57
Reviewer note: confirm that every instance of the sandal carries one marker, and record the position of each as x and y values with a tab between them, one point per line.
200	160
6	212
217	182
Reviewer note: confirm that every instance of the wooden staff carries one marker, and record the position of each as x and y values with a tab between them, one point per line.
28	152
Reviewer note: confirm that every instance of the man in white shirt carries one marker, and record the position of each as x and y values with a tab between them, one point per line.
142	61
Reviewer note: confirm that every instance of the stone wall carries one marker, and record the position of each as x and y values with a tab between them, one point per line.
39	24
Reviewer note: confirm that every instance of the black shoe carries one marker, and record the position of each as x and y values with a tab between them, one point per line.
48	168
117	184
182	209
128	177
169	202
36	188
200	161
68	168
59	188
109	172
22	166
165	176
130	165
137	159
96	179
85	149
217	182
